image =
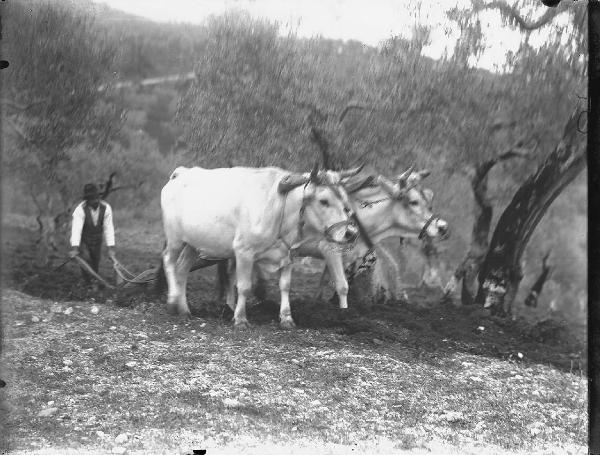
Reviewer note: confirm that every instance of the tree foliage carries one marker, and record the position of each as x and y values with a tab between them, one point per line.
239	110
58	61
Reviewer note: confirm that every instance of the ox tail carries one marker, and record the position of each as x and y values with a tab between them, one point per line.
222	278
160	278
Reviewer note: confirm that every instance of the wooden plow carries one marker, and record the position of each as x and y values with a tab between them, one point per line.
125	279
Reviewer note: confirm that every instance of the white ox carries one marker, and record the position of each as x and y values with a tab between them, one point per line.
384	209
254	216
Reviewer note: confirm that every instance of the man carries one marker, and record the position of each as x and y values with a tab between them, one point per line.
92	220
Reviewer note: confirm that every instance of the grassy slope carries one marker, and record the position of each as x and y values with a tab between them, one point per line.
404	378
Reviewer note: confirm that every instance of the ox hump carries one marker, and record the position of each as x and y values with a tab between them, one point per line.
177	172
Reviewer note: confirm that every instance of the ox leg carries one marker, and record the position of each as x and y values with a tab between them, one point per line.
170	255
230	290
322	283
335	264
244	264
260	284
285	312
186	260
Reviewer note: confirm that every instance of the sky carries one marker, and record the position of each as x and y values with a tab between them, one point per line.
368	21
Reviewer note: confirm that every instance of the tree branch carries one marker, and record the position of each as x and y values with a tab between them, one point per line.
514	16
124	187
19	131
350	107
21	107
107	187
536	289
318	137
514	151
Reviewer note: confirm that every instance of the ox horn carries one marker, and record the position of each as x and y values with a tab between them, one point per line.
404	176
351	172
388	186
424	173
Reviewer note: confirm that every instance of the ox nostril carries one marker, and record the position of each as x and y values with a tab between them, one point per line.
443	228
351	234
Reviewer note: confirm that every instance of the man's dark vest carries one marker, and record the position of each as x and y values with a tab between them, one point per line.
92	235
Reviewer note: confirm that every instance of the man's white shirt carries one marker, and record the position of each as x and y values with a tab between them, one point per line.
108	228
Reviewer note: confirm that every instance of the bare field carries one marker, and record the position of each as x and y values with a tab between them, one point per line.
98	372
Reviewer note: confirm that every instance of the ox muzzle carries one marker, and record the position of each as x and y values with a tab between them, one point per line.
441	225
350	235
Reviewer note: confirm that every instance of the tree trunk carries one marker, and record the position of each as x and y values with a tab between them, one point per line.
501	274
482	212
51	229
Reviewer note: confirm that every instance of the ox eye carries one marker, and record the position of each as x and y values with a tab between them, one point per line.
414	203
324	202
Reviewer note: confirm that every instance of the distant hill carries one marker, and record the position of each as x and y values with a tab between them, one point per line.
148	48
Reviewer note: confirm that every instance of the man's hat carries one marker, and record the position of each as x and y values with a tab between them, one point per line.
90	191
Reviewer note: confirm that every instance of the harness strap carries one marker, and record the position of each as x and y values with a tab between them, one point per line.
423	232
363	232
327	231
365	204
330	229
139	279
279	236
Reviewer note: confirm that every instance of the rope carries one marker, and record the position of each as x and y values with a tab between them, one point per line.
121	267
133	279
365	204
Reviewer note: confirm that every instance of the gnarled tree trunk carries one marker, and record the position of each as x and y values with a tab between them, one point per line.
501	273
482	211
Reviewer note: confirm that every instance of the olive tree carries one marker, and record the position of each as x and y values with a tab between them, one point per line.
540	89
53	103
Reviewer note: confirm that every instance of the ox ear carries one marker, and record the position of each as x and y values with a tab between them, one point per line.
291	181
428	195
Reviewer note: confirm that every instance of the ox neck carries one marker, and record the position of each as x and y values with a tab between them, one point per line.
378	218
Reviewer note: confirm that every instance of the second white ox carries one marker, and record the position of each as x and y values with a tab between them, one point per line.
384	208
254	216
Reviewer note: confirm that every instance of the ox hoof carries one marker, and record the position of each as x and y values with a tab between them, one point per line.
241	325
172	309
287	324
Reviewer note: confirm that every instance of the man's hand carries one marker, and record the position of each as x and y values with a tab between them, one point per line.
74	252
111	253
